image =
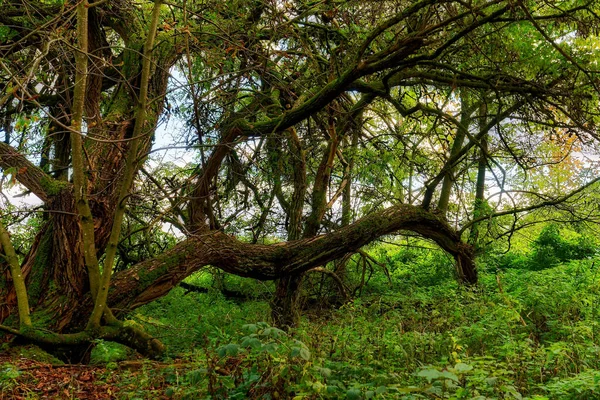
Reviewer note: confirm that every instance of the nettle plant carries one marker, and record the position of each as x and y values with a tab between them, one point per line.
265	363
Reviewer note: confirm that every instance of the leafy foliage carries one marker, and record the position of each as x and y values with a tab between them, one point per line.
552	247
524	333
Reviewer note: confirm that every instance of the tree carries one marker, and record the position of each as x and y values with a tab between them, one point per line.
285	95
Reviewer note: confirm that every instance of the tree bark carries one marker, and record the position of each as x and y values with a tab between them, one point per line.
479	203
285	305
285	308
465	120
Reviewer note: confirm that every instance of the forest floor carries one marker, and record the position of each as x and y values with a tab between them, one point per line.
33	379
36	379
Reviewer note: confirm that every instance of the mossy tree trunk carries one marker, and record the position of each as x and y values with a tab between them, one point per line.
285	305
61	267
479	205
285	310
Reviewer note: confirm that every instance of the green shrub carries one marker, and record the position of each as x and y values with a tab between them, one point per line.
585	385
551	249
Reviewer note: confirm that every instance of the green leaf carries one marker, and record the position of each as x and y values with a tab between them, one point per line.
492	380
381	390
252	328
304	353
270	348
462	368
196	376
252	342
353	394
231	350
430	374
274	333
9	372
449	375
331	389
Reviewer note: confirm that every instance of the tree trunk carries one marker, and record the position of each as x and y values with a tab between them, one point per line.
285	306
465	264
465	120
479	204
285	310
53	268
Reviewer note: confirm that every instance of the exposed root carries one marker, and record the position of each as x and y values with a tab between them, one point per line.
130	336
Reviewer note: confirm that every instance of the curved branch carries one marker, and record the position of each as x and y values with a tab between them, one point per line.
153	278
532	207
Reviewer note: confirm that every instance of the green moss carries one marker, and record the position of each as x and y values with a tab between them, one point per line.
42	261
147	277
52	186
12	320
42	319
105	352
121	106
33	353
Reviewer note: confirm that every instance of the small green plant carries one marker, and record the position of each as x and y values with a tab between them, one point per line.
585	385
267	363
8	378
109	352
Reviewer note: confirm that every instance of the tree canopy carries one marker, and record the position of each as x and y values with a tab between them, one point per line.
313	128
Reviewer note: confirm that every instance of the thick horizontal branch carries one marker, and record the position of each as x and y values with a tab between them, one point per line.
26	173
496	83
154	278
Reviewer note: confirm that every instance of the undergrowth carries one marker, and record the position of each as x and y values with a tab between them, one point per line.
520	334
528	330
